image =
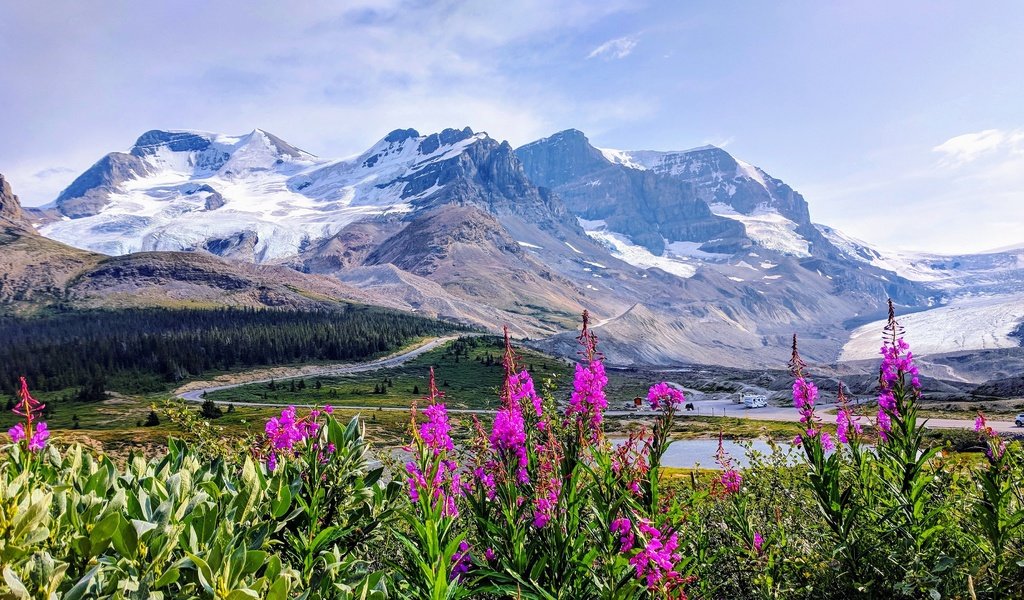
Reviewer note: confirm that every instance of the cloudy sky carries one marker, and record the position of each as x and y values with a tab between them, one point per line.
901	122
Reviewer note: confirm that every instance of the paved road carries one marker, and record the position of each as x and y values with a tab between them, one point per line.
827	412
395	360
716	408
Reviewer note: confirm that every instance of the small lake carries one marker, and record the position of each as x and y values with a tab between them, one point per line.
690	453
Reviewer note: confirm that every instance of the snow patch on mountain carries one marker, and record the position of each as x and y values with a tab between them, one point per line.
254	185
624	249
969	323
768	228
621	157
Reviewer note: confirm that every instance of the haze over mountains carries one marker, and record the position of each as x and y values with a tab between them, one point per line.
689	256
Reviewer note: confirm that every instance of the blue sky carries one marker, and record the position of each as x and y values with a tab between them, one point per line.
901	122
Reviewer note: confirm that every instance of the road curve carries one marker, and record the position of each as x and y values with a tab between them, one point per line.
713	407
394	360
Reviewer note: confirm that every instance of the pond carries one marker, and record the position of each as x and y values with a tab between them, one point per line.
691	453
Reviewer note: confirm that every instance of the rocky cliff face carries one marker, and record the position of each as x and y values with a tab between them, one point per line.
686	250
650	208
10	208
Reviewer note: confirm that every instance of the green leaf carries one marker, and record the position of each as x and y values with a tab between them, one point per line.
18	589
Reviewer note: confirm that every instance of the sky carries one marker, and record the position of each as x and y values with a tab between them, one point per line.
902	123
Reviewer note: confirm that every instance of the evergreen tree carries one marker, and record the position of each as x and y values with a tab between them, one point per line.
153	419
210	410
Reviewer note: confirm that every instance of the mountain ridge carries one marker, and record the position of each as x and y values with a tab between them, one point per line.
714	249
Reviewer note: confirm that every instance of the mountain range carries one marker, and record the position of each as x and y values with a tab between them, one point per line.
681	257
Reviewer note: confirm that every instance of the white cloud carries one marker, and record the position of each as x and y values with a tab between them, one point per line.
969	147
614	49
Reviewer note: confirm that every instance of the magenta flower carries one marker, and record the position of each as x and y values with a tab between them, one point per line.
845	421
523	393
624	528
435	432
588	400
631	460
489	554
731	480
996	446
17	433
548	488
758	542
884	425
662	394
508	437
461	561
655	562
36	433
39	437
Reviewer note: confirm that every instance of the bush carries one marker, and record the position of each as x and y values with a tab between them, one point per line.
541	506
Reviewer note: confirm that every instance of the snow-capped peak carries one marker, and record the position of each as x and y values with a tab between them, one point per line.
181	190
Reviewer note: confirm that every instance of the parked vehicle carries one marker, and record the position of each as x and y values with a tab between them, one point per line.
1019	421
755	400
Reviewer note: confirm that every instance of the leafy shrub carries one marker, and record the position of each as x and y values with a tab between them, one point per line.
542	506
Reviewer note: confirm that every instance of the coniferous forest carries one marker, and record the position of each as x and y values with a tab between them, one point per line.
146	349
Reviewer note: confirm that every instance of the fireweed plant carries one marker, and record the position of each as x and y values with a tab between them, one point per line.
438	552
29	436
541	503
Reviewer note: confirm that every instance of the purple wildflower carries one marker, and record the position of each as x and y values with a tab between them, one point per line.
523	392
435	432
489	554
730	479
758	542
508	436
17	433
655	562
662	394
39	437
624	528
461	561
588	400
36	433
845	421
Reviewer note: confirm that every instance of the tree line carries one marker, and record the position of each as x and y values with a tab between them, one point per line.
136	350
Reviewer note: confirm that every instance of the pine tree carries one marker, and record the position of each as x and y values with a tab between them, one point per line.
210	410
152	420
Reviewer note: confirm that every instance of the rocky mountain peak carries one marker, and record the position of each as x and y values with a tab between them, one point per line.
10	207
560	158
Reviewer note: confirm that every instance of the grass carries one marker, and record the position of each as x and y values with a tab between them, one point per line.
468	372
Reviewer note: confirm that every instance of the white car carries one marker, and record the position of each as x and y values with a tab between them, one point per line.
1019	421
